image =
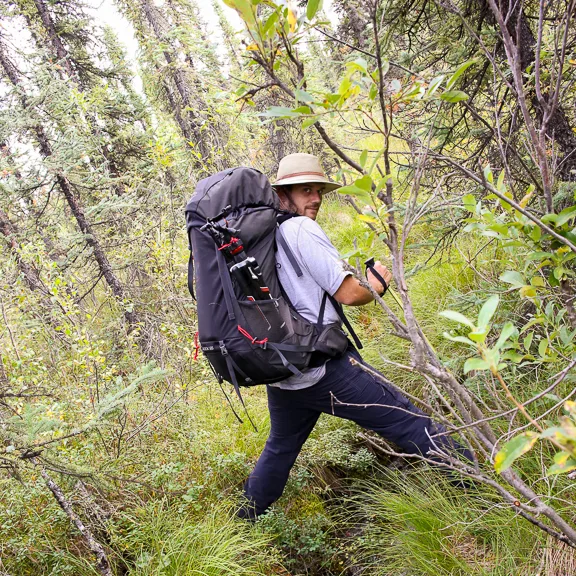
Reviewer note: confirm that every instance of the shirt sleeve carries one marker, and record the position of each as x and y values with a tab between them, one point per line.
319	256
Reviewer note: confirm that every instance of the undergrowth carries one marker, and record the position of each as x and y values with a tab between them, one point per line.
169	467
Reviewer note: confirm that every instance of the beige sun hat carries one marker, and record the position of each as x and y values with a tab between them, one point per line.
301	169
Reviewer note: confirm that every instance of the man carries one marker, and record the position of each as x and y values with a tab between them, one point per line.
336	386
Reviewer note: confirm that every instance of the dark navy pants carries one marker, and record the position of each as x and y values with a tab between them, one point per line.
293	414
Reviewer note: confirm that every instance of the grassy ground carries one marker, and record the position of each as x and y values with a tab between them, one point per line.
166	494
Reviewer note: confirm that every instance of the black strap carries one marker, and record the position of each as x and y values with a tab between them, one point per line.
289	253
229	401
226	284
346	322
378	277
287	348
334	302
321	313
232	367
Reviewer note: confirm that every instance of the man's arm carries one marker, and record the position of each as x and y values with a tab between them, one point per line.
351	293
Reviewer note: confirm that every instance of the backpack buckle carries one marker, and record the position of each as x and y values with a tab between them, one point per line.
223	350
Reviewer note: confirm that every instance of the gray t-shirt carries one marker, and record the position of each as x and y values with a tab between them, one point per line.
322	271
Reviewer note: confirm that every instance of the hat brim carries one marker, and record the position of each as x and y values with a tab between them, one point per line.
305	179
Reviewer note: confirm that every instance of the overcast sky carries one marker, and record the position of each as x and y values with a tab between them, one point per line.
105	12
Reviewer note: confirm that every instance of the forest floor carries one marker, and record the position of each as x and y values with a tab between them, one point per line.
162	499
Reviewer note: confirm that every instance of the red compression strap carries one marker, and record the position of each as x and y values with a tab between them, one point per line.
196	346
249	336
233	241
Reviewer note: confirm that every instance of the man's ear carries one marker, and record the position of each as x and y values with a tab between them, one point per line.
282	193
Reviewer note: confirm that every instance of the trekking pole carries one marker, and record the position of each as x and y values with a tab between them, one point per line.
370	266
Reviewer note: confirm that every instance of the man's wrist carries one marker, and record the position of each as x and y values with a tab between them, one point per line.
380	294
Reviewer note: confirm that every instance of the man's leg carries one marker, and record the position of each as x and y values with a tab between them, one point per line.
351	393
290	425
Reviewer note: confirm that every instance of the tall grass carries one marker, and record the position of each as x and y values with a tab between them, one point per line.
419	525
164	542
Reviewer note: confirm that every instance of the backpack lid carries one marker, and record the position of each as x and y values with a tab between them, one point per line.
234	187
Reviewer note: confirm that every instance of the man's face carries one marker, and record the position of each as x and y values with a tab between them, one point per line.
304	199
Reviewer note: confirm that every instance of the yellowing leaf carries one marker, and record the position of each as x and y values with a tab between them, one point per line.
563	462
570	406
252	47
292	20
528	292
524	202
513	450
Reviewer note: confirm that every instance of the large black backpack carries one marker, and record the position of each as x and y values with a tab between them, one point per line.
259	341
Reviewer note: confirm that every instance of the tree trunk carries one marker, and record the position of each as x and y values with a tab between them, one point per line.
57	45
178	77
102	562
9	231
73	203
558	127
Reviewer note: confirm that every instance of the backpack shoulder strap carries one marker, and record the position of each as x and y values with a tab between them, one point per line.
289	253
345	321
337	306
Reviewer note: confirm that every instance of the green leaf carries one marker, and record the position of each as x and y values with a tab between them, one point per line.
373	92
365	183
308	122
469	202
514	356
270	23
514	278
312	8
354	190
552	280
513	449
358	64
528	292
461	339
566	215
487	311
475	364
507	331
369	219
488	174
500	182
363	158
344	85
454	96
460	70
478	335
536	233
246	11
457	317
538	255
542	347
434	85
303	96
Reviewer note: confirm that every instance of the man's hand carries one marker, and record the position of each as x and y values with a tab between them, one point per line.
384	272
352	293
